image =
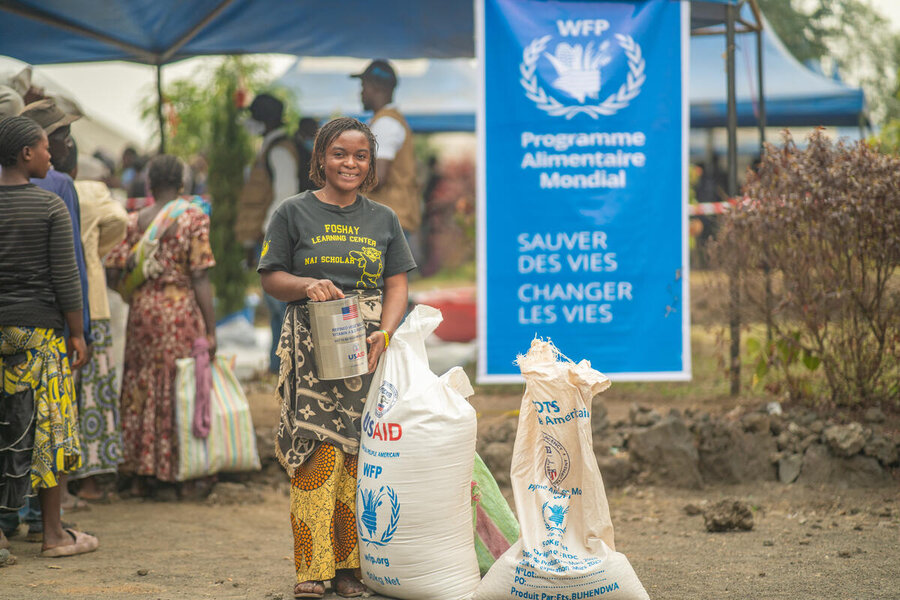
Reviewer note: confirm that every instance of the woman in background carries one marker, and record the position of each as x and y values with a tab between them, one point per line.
163	264
103	226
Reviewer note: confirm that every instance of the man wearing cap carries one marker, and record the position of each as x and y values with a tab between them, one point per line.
273	178
396	162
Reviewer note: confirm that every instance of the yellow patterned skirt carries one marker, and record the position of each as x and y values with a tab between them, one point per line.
41	365
323	514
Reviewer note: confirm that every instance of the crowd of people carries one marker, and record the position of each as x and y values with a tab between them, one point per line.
70	432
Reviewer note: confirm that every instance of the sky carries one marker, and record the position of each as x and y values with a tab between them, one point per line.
113	91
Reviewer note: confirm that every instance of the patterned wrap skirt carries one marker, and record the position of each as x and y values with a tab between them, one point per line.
39	436
98	403
313	410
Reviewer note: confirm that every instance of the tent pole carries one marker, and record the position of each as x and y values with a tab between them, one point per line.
761	84
159	110
733	280
767	271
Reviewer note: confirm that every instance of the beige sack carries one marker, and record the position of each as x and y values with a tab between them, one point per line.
566	549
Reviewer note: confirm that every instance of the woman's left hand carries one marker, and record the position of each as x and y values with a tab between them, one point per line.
376	349
211	339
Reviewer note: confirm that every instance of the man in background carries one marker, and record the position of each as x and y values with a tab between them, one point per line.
304	139
273	177
396	160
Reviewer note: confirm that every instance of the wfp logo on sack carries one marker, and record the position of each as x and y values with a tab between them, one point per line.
387	397
377	525
577	73
554	516
556	460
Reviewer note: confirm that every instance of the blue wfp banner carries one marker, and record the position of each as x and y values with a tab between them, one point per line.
583	185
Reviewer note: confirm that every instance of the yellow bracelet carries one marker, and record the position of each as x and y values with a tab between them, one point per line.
387	338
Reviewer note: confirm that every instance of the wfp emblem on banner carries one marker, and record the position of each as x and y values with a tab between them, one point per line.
579	71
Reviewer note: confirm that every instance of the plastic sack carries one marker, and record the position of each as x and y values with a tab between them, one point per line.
413	501
231	443
495	524
566	548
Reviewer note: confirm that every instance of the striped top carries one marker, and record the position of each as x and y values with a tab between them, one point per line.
38	273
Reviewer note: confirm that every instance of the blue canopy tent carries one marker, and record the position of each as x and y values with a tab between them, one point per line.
794	94
158	32
441	95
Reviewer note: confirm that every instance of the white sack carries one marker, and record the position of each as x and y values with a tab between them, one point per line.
566	549
413	499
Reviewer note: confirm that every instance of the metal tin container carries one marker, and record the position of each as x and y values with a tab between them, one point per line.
339	338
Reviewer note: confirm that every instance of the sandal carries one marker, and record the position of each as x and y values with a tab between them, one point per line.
83	543
35	533
309	589
347	585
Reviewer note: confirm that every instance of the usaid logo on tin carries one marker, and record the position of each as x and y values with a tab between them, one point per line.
356	352
556	460
573	62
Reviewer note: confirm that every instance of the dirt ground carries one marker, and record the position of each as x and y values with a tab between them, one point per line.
807	543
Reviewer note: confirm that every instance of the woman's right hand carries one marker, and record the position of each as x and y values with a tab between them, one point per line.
323	289
78	352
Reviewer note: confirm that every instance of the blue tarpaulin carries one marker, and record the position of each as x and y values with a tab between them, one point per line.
442	95
795	95
163	31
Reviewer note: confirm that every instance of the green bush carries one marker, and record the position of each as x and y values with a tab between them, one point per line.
207	121
815	246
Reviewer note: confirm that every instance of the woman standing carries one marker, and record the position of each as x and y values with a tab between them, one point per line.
103	226
320	245
40	292
163	266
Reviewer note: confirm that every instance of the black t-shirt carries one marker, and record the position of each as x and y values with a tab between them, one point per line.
355	247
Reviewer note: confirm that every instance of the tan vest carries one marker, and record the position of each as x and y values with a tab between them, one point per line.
401	192
257	195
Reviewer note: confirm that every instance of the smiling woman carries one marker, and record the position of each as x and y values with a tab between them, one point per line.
320	246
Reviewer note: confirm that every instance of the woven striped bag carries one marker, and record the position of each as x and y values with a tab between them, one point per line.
231	444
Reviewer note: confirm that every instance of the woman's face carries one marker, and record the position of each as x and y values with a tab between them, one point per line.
37	158
347	161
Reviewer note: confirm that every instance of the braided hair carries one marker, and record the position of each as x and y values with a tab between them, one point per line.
329	132
166	173
17	133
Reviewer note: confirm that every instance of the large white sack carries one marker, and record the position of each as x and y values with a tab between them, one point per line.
413	499
566	549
